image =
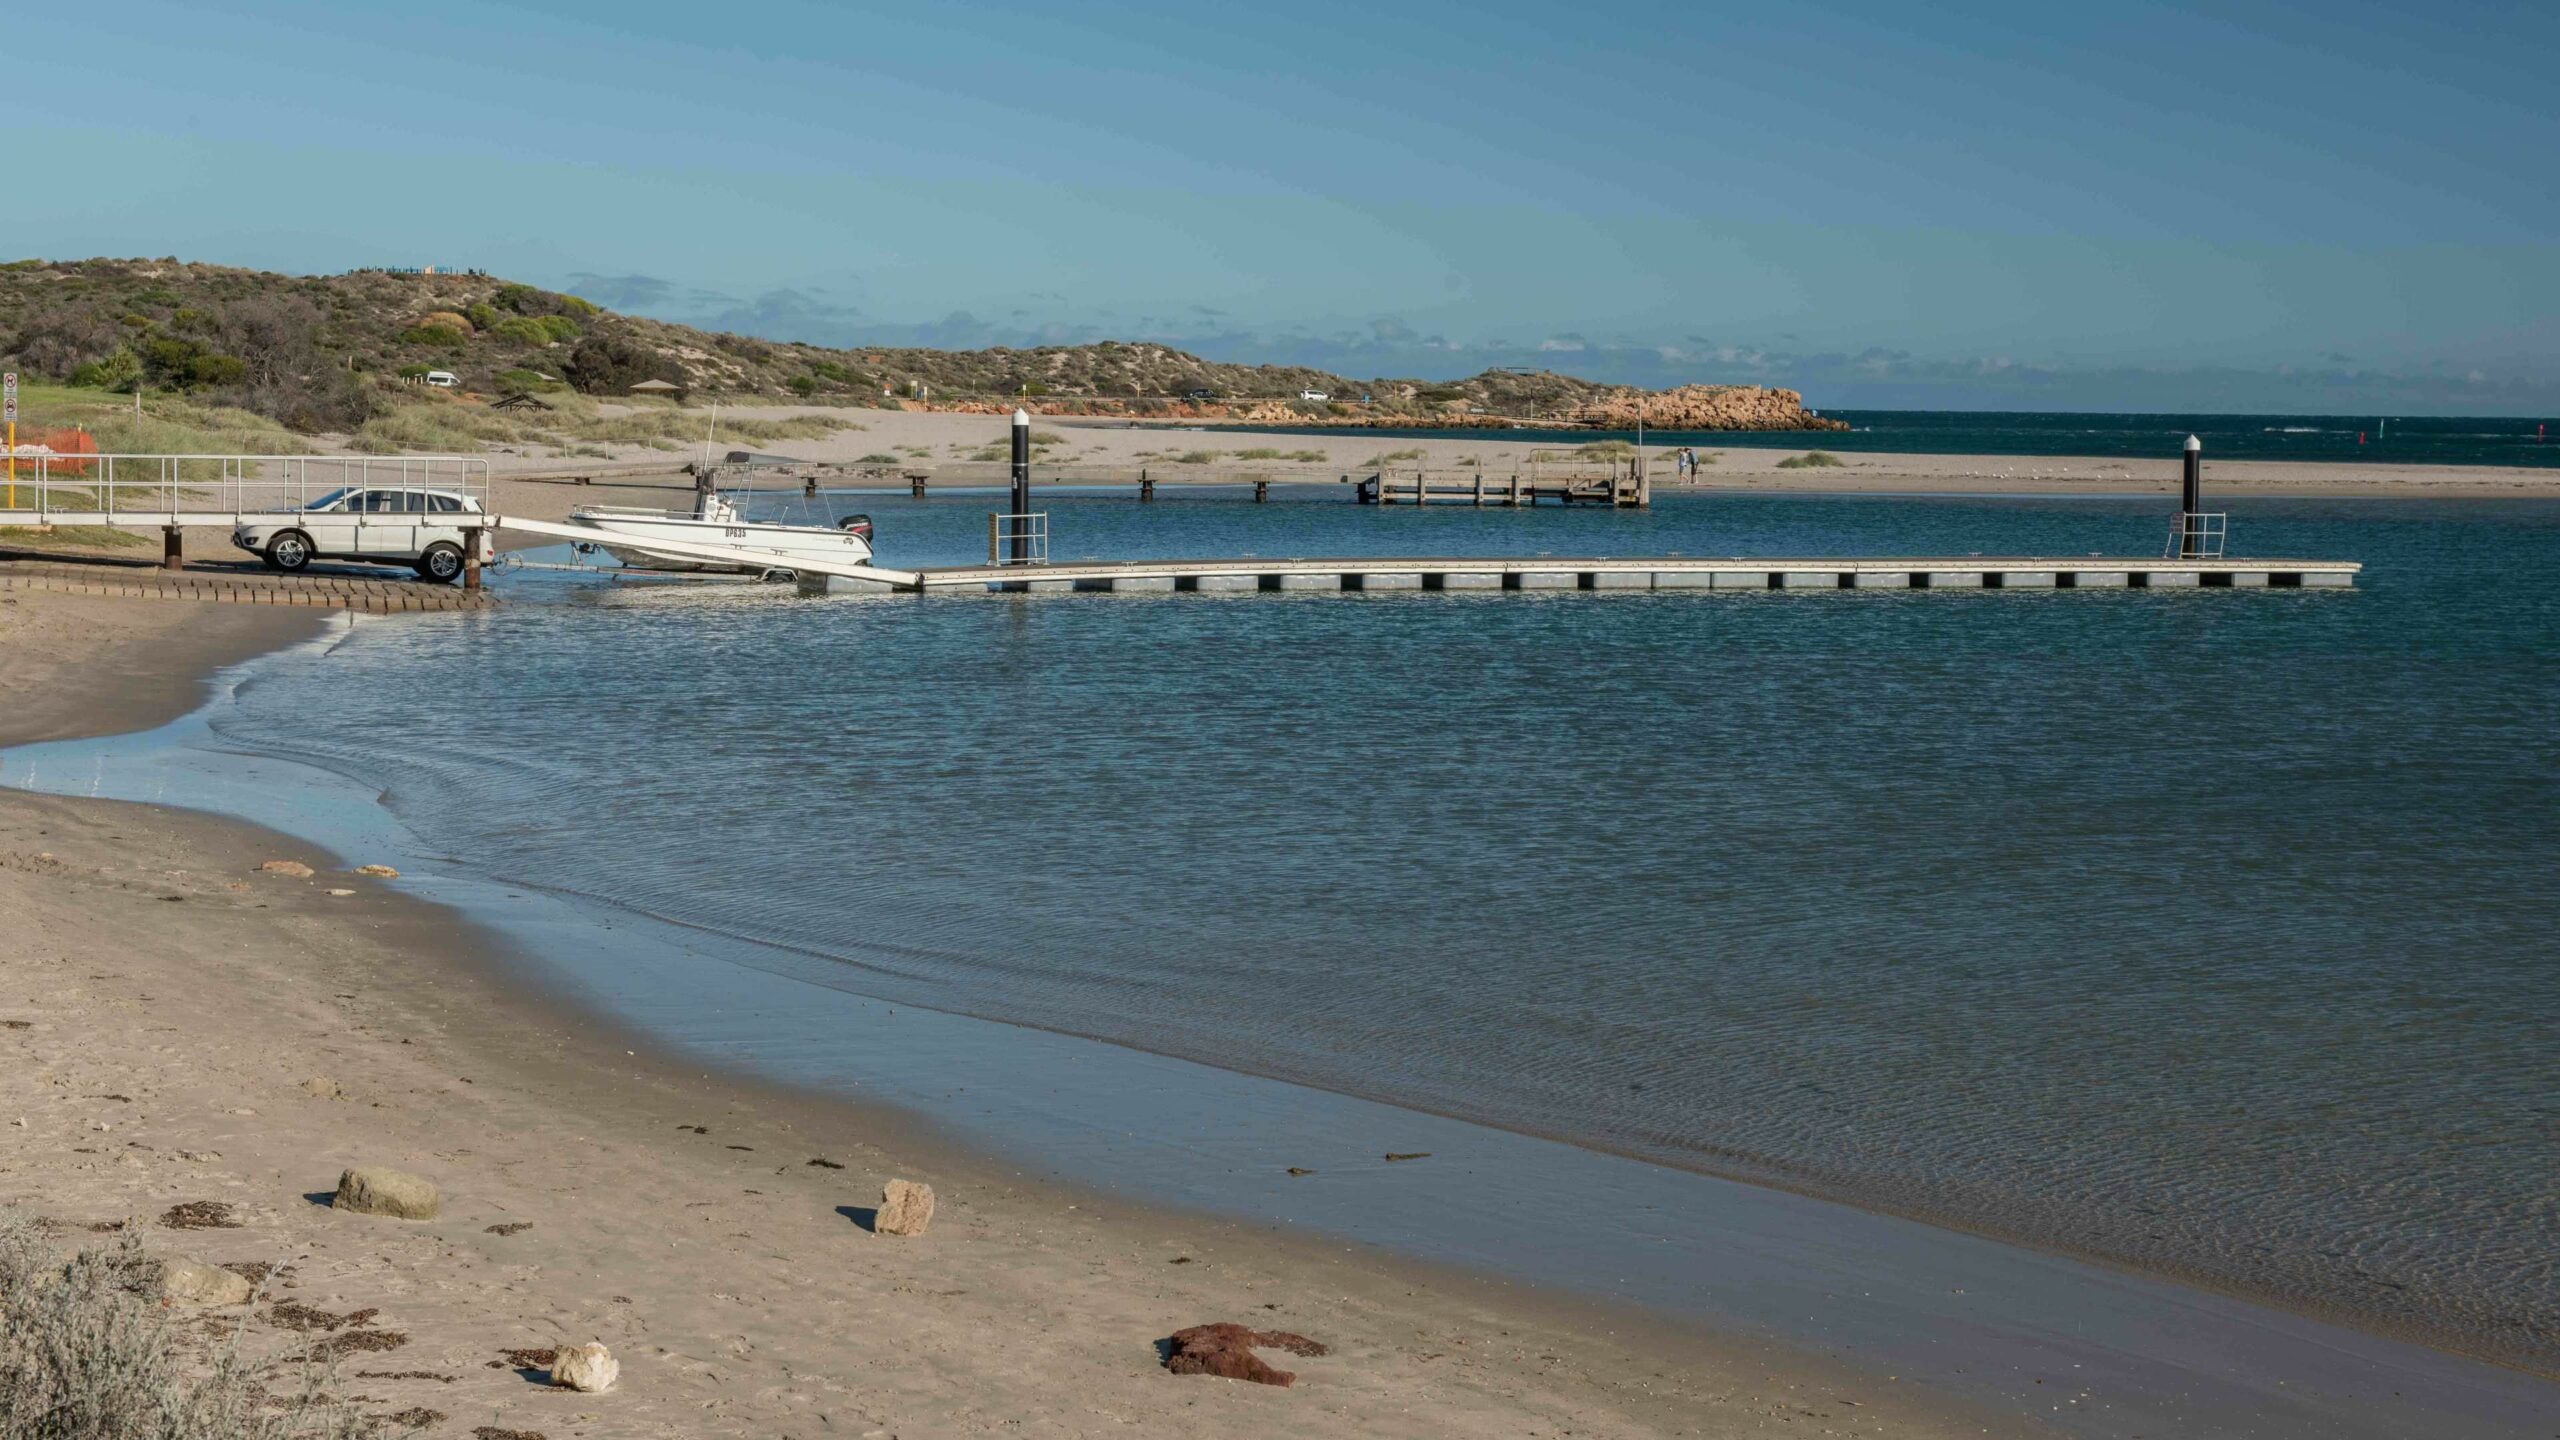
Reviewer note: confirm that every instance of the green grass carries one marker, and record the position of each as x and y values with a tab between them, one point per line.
1391	457
1196	457
1812	460
878	458
1605	450
169	424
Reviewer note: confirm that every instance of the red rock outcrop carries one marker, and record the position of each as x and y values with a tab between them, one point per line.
1701	407
1227	1349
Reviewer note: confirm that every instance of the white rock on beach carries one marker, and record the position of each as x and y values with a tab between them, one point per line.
584	1368
906	1208
376	1190
294	868
181	1277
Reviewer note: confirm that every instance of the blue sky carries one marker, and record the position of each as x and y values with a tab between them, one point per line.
2257	206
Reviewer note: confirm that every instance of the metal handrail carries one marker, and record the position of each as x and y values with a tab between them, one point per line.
1003	530
2197	535
102	488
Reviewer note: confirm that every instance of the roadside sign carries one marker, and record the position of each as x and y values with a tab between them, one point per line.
9	387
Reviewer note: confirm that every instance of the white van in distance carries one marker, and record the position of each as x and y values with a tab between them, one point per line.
441	379
1317	396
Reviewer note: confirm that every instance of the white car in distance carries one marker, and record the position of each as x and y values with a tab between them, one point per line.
1317	396
379	524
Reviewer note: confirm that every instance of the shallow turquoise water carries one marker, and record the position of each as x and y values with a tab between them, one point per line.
2205	930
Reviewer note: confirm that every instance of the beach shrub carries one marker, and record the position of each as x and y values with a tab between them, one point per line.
1264	453
520	330
1605	450
572	305
1196	457
481	314
119	371
1812	460
560	328
414	372
84	1352
876	458
606	366
803	386
441	336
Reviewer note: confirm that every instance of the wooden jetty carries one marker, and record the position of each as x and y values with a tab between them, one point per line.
1628	491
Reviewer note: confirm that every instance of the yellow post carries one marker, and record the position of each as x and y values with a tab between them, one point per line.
13	463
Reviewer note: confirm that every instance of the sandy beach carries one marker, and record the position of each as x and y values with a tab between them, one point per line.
945	443
183	1027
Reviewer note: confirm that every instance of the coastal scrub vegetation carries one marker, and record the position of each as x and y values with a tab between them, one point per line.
85	1351
1811	460
326	353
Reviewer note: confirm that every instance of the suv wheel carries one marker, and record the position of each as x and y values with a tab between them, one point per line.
290	550
441	563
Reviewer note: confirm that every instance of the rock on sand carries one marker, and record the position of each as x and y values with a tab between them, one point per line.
906	1207
379	872
181	1277
375	1190
584	1368
294	868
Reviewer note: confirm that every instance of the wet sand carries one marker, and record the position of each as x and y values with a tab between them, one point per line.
185	1027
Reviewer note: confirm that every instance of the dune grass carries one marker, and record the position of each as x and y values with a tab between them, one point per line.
1812	460
86	1352
443	424
168	424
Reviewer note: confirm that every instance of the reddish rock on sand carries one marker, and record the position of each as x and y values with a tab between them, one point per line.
1225	1349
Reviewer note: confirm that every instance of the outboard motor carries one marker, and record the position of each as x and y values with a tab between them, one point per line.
856	525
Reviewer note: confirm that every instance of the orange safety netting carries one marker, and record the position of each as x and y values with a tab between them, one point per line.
61	443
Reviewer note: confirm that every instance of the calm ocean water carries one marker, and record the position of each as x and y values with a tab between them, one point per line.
2372	439
2210	931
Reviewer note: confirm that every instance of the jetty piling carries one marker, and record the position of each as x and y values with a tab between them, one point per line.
1021	482
2191	493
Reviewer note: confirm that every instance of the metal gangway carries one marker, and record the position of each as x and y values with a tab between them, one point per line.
159	492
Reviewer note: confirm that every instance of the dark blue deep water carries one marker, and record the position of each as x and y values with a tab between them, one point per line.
2212	931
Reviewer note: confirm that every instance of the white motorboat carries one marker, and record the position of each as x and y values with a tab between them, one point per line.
625	533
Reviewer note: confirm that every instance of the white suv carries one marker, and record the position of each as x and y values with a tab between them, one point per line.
384	524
